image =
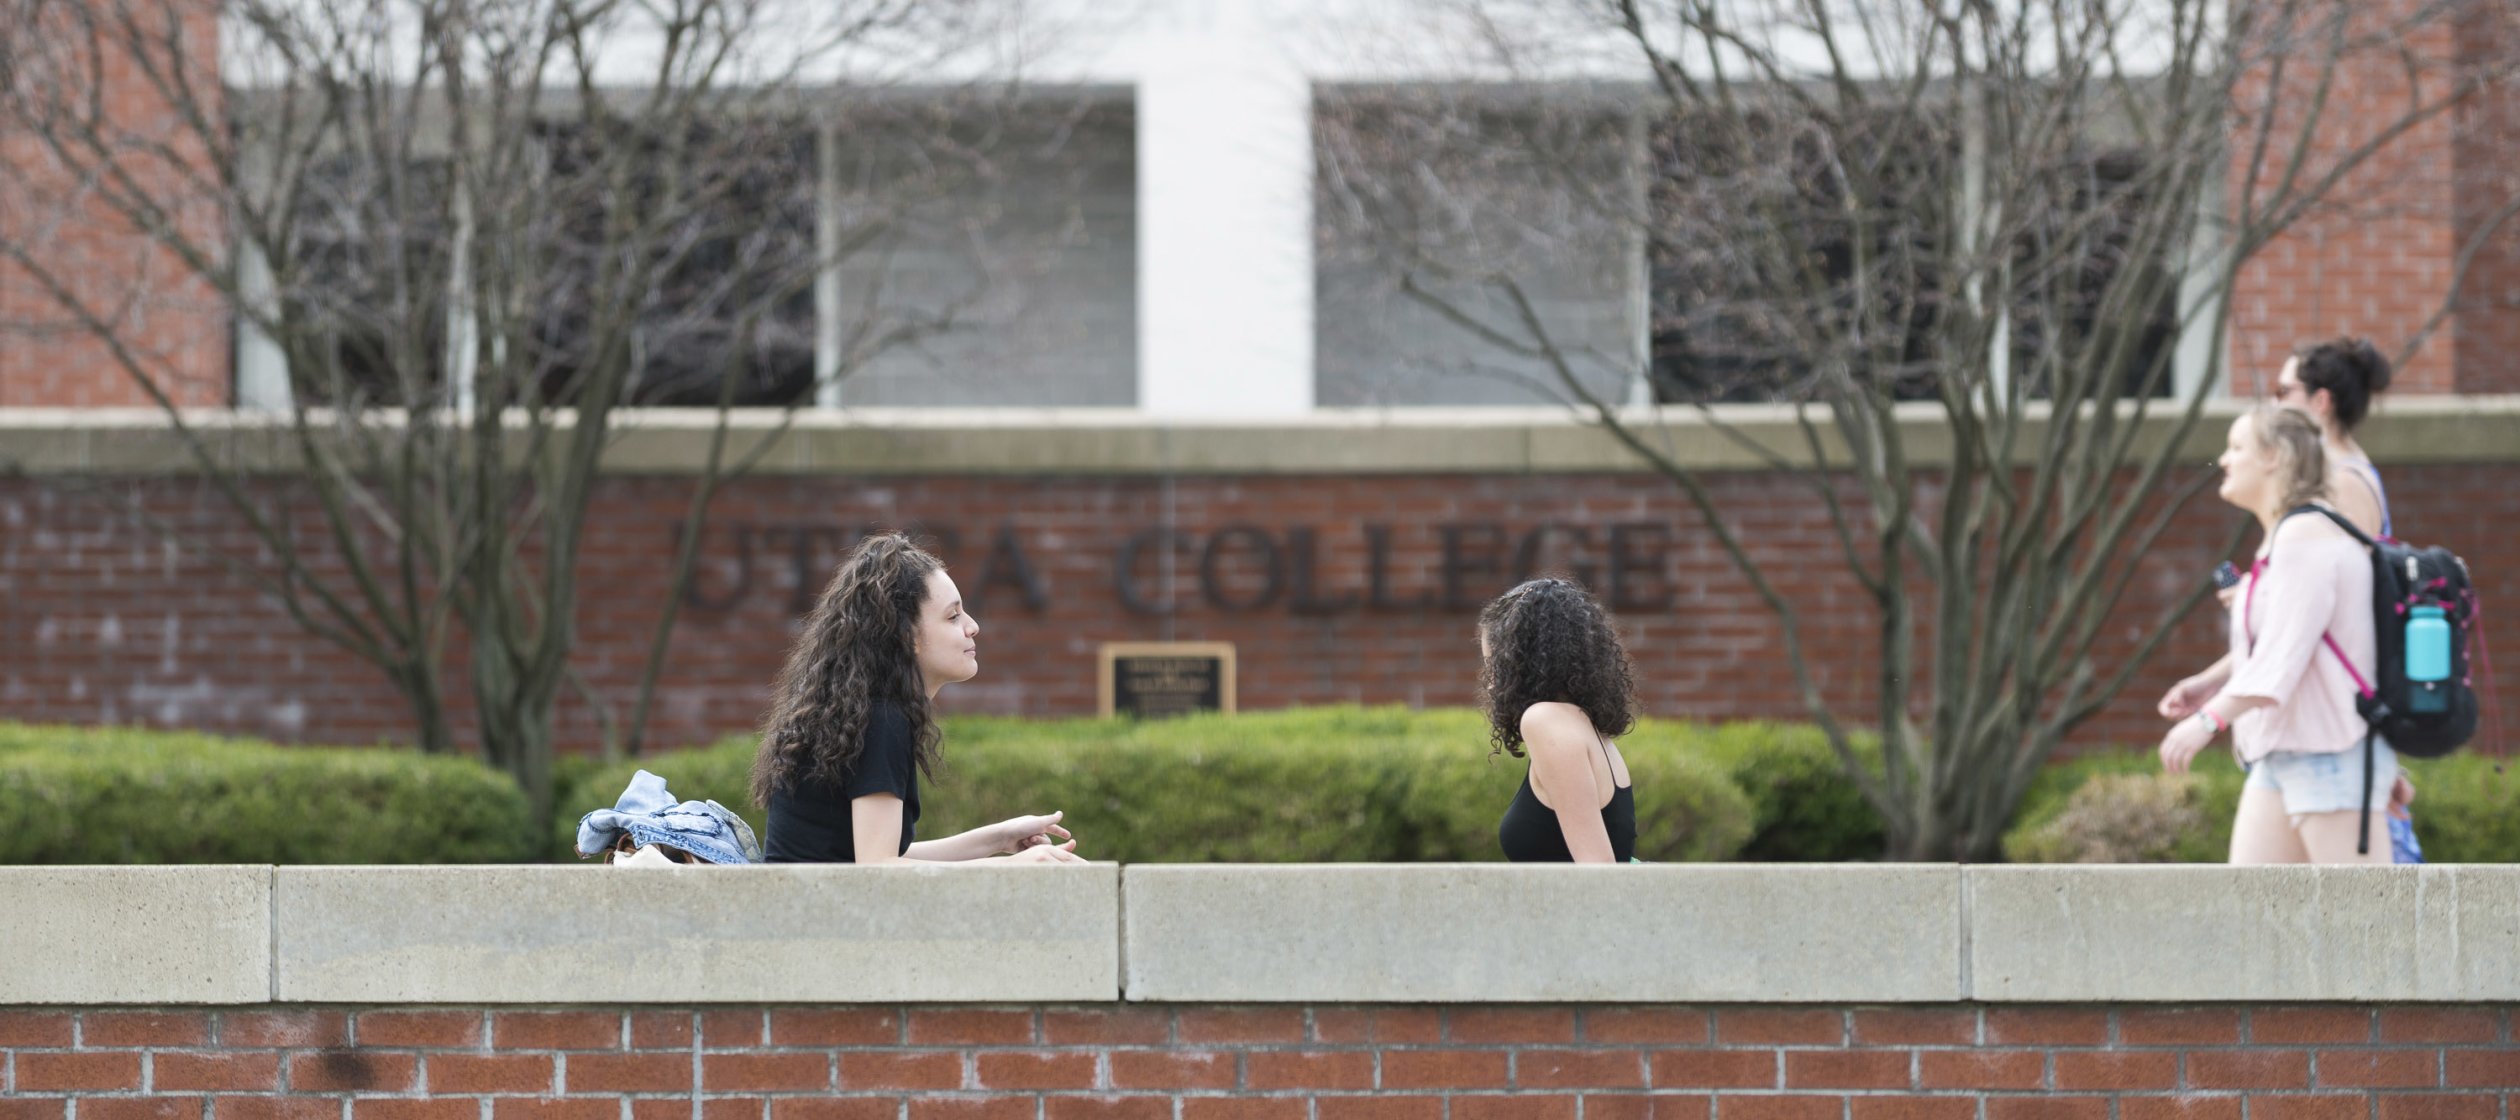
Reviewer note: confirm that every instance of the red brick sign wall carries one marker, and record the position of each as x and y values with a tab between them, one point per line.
1333	589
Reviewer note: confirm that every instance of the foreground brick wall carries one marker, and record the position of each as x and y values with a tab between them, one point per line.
102	621
1194	1062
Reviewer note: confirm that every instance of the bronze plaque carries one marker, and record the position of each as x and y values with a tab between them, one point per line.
1167	678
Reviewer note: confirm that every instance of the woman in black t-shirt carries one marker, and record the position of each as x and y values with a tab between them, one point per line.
1556	683
850	734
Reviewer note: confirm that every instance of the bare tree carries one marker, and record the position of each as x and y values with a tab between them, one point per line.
469	232
2007	214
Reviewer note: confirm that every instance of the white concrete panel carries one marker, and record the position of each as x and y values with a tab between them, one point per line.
787	934
153	935
2136	934
1484	933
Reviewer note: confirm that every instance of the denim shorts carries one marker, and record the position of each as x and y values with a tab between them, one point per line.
2327	783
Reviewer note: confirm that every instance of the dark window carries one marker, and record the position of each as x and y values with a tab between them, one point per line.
2079	295
1757	282
712	249
359	285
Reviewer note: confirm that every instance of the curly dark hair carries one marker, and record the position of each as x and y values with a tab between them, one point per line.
1550	640
860	646
2351	370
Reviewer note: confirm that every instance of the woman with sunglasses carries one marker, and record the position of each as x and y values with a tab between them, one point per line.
2332	382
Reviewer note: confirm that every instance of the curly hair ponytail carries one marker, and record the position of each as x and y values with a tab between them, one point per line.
859	647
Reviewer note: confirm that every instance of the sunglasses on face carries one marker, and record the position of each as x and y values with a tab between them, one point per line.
625	847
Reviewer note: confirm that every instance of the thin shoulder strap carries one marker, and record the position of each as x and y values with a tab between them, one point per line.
1603	741
2369	475
2363	472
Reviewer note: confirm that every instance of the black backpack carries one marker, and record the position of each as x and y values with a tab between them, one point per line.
2420	719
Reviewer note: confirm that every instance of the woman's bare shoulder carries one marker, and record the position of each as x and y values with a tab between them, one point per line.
1556	724
2309	529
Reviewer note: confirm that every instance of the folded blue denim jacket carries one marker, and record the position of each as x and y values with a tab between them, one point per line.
651	816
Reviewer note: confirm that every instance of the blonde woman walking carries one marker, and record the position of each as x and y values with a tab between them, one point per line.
2301	639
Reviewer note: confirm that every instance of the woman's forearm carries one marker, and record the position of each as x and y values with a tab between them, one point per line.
913	856
979	843
2217	674
2231	708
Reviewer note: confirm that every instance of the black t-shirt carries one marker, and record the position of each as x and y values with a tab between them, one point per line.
812	822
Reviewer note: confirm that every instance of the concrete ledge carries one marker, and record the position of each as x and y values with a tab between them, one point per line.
1492	934
140	442
2229	933
135	935
784	934
1356	933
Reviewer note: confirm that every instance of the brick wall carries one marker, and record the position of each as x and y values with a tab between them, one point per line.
105	622
1327	1062
174	328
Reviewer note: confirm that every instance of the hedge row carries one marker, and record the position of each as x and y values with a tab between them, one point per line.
1333	784
116	795
1305	785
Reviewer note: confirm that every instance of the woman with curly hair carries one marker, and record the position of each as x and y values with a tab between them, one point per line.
851	730
1557	683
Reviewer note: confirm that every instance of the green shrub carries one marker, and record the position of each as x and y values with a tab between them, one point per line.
1803	806
115	795
2037	836
1330	784
2467	808
2122	818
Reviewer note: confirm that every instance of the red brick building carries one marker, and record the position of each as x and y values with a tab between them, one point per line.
1341	551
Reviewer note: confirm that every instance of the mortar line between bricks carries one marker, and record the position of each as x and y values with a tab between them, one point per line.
695	1020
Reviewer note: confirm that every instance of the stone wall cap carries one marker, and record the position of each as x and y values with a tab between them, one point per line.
1308	933
1120	441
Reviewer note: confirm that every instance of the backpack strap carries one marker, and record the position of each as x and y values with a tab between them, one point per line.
2258	569
2360	685
2362	841
2350	528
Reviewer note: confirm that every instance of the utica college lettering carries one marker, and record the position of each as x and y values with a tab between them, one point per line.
1447	567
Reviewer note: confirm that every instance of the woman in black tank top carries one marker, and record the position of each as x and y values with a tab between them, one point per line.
1557	687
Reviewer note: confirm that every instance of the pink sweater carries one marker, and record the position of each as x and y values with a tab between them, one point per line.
2315	581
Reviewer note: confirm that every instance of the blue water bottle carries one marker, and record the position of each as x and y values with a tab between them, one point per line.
2428	657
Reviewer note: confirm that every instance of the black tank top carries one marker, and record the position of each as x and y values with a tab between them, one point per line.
1530	833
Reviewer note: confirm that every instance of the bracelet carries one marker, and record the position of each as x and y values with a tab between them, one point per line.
2208	715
